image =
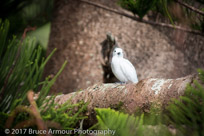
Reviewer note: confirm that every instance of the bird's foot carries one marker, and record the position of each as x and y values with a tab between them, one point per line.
120	83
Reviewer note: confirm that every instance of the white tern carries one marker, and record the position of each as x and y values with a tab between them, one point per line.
123	68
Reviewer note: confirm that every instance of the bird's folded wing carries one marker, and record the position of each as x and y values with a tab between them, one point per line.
128	70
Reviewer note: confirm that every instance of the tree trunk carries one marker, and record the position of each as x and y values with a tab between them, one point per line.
129	96
78	29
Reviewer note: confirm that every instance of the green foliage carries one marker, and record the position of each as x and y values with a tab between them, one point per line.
187	113
138	7
162	7
23	13
114	120
21	68
41	34
181	15
125	124
141	7
66	114
47	84
195	21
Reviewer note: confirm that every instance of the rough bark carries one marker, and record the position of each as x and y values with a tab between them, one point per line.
132	96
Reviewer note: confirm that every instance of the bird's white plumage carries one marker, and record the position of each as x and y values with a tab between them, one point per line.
123	68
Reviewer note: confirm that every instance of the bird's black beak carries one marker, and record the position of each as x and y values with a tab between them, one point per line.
118	53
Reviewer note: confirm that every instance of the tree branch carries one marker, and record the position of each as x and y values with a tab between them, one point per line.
130	97
142	20
190	7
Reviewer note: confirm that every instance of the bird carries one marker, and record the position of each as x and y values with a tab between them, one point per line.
123	68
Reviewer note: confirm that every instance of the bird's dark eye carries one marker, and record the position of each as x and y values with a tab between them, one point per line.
114	51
